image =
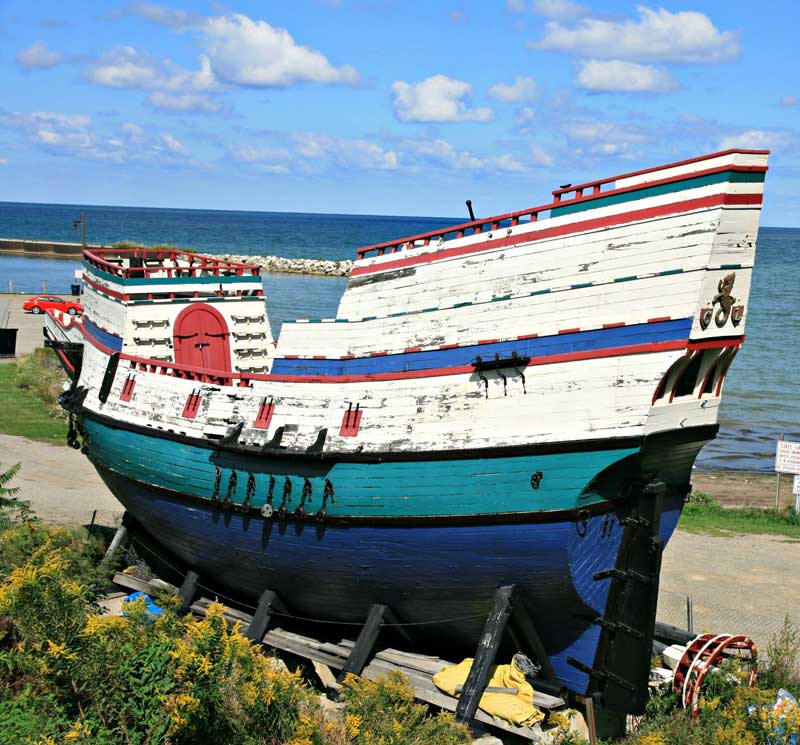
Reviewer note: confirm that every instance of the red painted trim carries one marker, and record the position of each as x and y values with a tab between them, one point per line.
291	356
487	341
677	164
64	359
351	422
347	357
378	354
648	184
412	349
105	290
450	346
568	331
264	416
714	200
193	373
127	388
663	346
528	336
659	319
724	341
195	263
192	406
319	357
613	325
532	212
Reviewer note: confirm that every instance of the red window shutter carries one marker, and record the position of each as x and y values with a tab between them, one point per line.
192	405
351	421
265	412
127	388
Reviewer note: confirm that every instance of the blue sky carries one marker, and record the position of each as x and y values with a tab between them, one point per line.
385	106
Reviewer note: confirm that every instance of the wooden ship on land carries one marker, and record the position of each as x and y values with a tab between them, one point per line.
514	401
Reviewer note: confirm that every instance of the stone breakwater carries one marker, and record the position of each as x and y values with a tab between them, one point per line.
56	250
293	266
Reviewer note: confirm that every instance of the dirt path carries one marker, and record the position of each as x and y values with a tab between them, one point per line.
59	482
743	488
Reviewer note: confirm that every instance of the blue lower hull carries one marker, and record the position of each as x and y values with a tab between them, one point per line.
437	574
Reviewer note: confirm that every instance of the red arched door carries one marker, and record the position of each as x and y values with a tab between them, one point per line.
201	338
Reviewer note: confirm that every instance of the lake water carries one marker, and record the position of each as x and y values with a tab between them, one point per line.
762	394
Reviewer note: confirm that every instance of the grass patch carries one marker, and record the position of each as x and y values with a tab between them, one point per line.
704	515
23	414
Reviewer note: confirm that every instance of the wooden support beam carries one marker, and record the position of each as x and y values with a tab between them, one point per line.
484	656
365	642
268	602
187	591
119	541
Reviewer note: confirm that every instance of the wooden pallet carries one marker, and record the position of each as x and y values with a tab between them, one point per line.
418	668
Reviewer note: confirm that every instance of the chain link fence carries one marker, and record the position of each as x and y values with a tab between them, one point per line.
693	614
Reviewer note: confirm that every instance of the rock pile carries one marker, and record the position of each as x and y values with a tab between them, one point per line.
293	266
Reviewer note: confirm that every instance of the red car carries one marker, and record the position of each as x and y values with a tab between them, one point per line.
41	303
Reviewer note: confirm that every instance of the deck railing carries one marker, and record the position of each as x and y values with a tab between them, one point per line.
599	188
185	264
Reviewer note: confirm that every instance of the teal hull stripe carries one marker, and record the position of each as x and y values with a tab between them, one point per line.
395	489
735	177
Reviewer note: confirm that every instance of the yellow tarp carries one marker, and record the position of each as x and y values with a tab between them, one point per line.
517	709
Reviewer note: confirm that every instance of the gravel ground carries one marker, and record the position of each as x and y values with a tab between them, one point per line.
59	482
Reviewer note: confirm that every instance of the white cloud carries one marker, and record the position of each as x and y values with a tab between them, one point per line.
606	138
790	101
75	135
522	90
258	154
133	133
524	118
3	161
436	99
175	146
686	36
756	139
344	152
38	57
169	17
253	53
194	102
441	153
539	157
124	67
559	10
626	77
515	6
508	164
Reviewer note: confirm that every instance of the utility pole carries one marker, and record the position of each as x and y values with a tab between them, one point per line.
82	223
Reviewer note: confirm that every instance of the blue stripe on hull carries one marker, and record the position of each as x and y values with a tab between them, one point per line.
391	489
425	574
582	341
112	341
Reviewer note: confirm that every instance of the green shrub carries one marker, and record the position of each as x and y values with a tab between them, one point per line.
783	653
12	509
40	374
384	711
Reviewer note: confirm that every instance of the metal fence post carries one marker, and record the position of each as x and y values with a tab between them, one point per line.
689	614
